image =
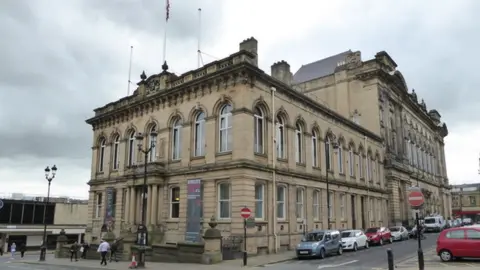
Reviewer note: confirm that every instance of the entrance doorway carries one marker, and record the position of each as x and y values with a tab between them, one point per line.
354	214
362	207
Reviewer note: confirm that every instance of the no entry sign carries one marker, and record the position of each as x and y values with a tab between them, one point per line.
415	198
245	212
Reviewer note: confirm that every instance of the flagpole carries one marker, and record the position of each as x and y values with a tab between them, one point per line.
199	37
167	10
130	70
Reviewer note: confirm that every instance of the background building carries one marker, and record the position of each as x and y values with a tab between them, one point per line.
21	219
374	95
227	136
466	201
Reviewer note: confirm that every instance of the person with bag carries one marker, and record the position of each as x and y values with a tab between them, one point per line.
103	249
73	251
13	248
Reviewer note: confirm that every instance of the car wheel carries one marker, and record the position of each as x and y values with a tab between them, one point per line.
446	255
391	240
322	254
355	248
367	245
340	250
380	242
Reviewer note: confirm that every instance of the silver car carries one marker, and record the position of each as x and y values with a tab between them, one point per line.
399	233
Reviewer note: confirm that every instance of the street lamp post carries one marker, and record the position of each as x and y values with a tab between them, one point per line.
142	235
49	175
328	164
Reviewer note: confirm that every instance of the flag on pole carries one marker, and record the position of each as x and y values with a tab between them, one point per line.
168	10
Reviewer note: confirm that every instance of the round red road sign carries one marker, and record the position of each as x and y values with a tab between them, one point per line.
245	212
415	198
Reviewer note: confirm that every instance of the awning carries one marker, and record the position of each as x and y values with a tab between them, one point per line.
466	212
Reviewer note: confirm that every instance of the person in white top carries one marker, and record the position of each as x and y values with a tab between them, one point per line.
13	248
103	248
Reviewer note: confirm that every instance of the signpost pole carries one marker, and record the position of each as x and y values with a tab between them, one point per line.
244	242
421	263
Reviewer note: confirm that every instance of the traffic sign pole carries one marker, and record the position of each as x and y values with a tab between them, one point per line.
416	201
245	213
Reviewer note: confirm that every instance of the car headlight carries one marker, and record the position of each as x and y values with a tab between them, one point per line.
298	246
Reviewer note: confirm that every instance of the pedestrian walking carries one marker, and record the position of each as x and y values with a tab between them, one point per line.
103	249
83	250
22	249
2	245
13	248
73	251
113	251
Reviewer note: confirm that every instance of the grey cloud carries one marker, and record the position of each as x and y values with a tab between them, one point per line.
56	64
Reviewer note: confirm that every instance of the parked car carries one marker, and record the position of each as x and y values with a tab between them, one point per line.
354	239
399	233
434	224
320	243
379	235
462	242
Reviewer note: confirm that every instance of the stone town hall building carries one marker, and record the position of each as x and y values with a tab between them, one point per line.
253	139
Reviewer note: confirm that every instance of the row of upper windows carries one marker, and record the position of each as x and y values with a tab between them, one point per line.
224	203
421	159
366	164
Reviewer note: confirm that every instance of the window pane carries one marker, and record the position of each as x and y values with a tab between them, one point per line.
224	192
224	209
259	192
280	194
473	234
280	213
456	234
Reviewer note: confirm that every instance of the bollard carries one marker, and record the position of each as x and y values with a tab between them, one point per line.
391	266
421	263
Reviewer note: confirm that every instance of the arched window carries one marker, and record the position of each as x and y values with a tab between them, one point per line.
328	158
351	161
361	168
116	145
340	157
176	139
314	149
368	161
101	158
298	143
152	142
225	128
199	135
280	137
409	151
259	131
131	148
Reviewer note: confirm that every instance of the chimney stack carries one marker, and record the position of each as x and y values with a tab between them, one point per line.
250	45
281	71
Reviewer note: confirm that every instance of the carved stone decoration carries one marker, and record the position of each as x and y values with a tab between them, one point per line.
414	95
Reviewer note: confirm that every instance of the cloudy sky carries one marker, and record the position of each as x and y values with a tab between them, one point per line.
61	59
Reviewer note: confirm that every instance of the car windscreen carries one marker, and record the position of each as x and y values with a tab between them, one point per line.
429	221
395	229
313	237
347	234
371	230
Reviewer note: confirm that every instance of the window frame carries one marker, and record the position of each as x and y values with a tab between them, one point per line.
199	135
259	131
101	158
280	138
299	143
340	158
316	206
331	209
342	199
173	202
315	161
116	151
220	201
131	149
98	204
351	161
225	129
300	203
260	201
152	144
282	202
177	139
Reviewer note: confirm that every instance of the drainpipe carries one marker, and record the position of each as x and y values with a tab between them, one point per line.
274	176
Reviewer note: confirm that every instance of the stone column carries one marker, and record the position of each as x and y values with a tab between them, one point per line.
132	204
126	207
154	205
149	205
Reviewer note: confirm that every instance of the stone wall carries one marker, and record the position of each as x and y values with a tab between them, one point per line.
180	253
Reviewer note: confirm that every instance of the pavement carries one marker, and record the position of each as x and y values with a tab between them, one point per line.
375	258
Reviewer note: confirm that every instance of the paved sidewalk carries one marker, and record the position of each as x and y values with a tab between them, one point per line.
225	265
432	261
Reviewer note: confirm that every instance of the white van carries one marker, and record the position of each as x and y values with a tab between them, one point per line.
434	223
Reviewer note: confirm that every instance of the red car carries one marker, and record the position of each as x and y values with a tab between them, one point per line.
378	235
458	243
